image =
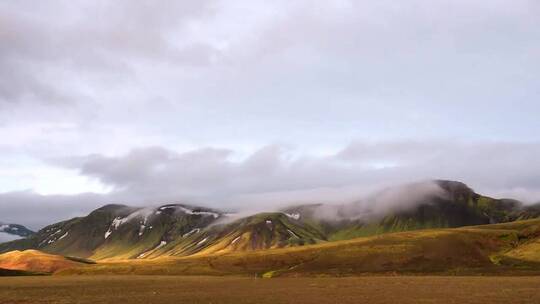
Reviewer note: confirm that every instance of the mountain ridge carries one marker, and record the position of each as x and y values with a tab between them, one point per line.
115	231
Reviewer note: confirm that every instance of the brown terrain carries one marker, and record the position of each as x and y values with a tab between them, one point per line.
36	261
197	289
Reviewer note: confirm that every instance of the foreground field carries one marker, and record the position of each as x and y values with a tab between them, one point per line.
182	289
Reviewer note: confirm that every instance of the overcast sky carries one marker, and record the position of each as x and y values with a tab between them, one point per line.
233	103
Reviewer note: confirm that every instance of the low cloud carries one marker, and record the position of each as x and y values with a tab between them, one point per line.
36	211
276	176
126	93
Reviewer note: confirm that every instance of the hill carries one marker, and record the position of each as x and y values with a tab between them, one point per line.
37	262
412	207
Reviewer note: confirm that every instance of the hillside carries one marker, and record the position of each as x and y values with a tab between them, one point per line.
37	262
510	248
455	205
117	232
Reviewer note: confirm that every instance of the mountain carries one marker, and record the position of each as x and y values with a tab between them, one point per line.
116	232
493	249
453	205
122	232
10	232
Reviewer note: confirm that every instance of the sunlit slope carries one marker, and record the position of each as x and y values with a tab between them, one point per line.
468	250
258	232
36	261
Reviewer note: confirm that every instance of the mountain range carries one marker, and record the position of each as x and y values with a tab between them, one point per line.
119	232
9	232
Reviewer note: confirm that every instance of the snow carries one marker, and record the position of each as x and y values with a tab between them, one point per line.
166	207
196	230
295	216
204	240
143	226
4	227
117	222
236	240
63	235
56	232
107	233
141	230
161	244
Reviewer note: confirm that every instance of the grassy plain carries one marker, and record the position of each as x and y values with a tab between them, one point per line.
200	289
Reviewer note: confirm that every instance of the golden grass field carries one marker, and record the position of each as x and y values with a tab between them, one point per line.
204	289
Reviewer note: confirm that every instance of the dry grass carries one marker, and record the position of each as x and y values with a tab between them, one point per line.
36	261
178	289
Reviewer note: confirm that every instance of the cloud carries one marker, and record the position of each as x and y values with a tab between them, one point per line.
215	174
36	211
277	176
445	89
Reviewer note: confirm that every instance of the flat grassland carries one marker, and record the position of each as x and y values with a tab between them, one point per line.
201	289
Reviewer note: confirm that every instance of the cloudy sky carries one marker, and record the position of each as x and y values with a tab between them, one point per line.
236	103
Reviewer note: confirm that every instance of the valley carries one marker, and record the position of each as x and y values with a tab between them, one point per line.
448	246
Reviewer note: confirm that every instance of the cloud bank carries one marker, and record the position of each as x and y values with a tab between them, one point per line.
275	177
258	103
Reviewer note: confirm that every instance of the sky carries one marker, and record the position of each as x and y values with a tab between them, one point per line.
255	103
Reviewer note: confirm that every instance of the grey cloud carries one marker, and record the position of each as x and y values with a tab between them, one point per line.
211	173
441	89
36	211
92	39
274	177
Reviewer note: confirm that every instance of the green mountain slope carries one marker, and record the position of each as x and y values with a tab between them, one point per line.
456	206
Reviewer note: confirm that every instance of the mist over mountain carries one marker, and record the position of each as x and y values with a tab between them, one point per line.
123	232
10	232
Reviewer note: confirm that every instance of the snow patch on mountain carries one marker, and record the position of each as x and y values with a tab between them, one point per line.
294	216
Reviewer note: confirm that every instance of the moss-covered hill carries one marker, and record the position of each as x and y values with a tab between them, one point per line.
456	205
